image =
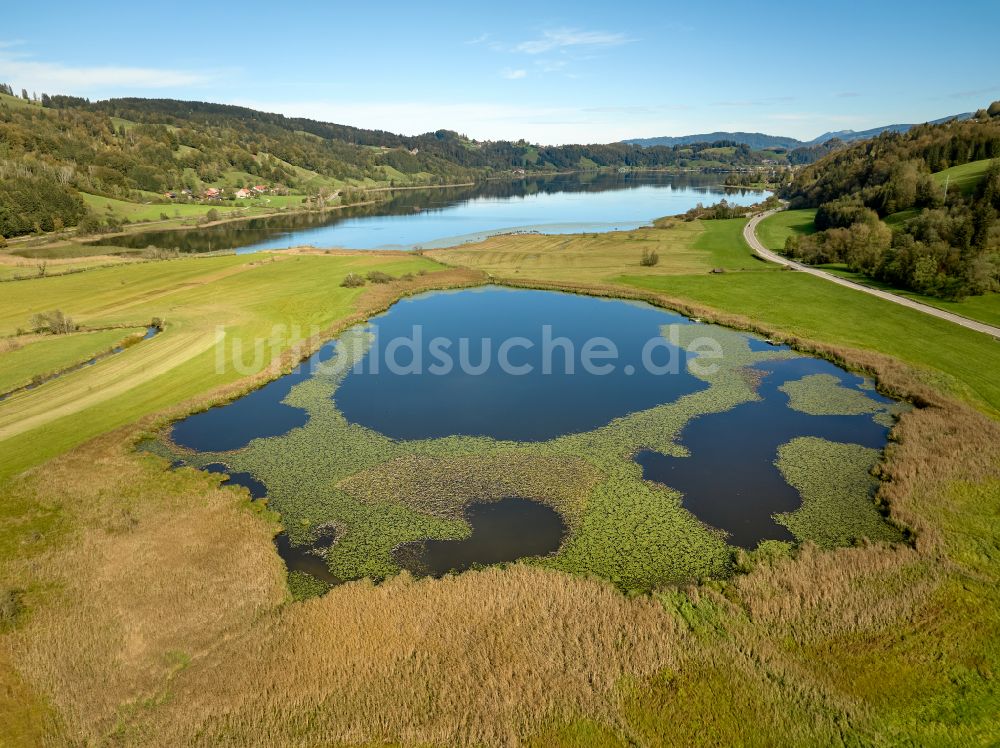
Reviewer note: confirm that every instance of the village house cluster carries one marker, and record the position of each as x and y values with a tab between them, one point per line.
216	193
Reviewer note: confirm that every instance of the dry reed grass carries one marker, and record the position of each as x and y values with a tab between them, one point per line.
10	344
415	662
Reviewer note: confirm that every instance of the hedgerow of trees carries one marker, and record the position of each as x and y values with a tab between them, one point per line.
948	242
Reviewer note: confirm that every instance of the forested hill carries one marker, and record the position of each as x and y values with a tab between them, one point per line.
919	210
138	149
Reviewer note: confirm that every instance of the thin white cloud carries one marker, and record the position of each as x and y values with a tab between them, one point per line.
768	101
547	65
513	75
481	39
569	38
974	92
56	77
841	119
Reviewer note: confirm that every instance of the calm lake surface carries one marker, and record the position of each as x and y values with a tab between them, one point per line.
508	402
502	531
729	480
408	219
401	389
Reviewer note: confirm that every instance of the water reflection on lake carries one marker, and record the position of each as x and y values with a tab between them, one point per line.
406	219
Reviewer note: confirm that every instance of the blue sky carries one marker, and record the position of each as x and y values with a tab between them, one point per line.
548	72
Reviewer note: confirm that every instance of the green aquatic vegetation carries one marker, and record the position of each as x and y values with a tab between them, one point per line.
441	486
838	490
824	395
380	493
302	586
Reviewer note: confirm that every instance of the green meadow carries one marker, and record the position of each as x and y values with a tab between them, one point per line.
38	356
774	230
246	296
965	177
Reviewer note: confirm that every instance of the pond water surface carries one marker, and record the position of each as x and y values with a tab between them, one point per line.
407	219
502	531
544	392
729	481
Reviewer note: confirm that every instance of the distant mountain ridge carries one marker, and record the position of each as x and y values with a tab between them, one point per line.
756	140
849	136
759	140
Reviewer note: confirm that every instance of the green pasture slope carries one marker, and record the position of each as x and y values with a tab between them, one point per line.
965	362
965	177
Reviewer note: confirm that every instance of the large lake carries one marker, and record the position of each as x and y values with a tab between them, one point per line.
428	218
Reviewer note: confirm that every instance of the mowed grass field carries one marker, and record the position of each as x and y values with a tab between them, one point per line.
774	230
247	298
683	247
961	361
20	267
23	358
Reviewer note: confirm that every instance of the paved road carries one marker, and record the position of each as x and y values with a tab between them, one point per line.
750	234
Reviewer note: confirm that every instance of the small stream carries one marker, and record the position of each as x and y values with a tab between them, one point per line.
151	331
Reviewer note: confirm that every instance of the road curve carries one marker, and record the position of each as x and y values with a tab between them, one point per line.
750	234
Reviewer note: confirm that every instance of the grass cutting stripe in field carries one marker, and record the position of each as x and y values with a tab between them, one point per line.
24	268
247	296
25	358
683	247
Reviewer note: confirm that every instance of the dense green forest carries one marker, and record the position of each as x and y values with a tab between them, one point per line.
137	149
901	209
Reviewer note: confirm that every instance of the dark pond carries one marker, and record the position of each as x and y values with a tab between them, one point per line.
259	414
406	219
539	389
307	558
730	480
502	531
401	390
256	488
